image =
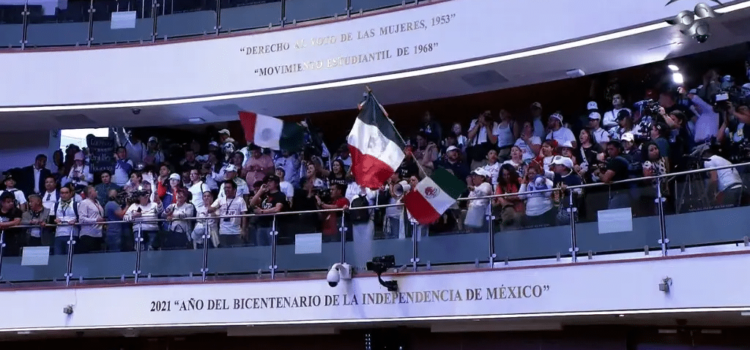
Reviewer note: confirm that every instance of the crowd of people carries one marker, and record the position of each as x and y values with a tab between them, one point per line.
536	161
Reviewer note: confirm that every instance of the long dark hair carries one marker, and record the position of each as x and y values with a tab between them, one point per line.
513	176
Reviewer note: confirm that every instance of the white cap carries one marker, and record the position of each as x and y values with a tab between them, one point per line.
230	167
557	116
451	148
175	176
480	172
595	115
592	105
213	143
627	137
153	139
224	131
565	161
566	144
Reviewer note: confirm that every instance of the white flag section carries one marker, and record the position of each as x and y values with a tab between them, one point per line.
267	131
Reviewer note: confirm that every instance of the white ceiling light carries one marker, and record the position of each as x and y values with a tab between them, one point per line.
673	68
369	80
197	120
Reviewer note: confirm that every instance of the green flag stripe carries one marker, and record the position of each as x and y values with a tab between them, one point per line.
448	182
292	137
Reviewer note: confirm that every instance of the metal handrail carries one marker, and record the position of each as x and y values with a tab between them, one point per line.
383	206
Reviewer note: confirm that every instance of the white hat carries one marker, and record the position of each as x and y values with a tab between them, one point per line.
557	116
451	148
566	144
214	144
536	105
230	167
224	131
153	139
627	137
595	116
480	172
175	176
565	161
592	106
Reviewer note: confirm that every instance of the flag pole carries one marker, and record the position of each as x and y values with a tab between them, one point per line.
369	91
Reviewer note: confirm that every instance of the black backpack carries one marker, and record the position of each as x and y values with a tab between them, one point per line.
359	216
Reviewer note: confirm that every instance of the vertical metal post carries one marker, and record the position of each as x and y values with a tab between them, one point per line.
91	23
343	237
415	249
663	240
491	230
2	250
138	249
205	237
25	31
283	12
143	8
218	17
71	246
154	15
348	8
573	237
273	234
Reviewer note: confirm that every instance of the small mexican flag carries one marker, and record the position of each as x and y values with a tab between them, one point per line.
273	133
433	196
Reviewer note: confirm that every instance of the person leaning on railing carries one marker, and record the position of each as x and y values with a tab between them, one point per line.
37	215
10	216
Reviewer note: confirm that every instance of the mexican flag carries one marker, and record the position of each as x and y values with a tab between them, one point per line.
433	196
374	144
273	133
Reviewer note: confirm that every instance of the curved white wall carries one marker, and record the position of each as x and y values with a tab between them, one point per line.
434	34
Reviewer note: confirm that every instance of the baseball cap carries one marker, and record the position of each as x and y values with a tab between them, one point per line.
627	137
592	105
451	148
595	116
8	177
231	167
557	116
153	139
565	161
224	131
622	114
536	105
213	143
480	172
270	178
566	144
175	176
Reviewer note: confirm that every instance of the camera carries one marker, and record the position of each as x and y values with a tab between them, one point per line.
136	111
701	38
380	264
338	272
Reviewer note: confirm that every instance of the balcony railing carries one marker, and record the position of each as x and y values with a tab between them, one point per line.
39	23
682	219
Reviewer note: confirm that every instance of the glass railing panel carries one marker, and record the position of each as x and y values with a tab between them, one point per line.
170	251
304	10
113	259
368	5
620	218
187	24
238	15
10	35
523	232
56	25
307	241
461	235
703	216
104	34
389	237
27	261
233	253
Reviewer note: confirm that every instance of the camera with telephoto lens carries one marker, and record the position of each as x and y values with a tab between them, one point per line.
380	264
739	152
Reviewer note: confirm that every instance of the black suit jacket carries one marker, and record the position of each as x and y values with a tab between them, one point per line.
25	182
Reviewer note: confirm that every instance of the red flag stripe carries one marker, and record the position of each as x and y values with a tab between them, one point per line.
420	208
248	119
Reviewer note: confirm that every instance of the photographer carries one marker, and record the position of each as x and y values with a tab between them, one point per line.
725	183
708	119
617	169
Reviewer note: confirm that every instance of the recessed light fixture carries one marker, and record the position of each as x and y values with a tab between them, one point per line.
673	68
196	120
745	313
